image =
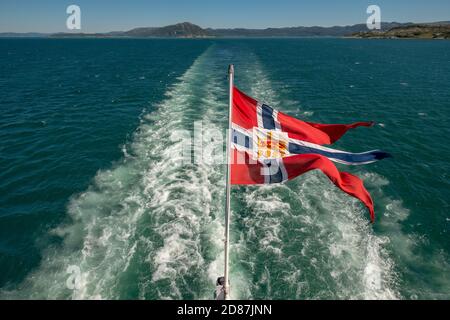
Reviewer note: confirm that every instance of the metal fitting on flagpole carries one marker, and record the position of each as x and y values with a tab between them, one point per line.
230	69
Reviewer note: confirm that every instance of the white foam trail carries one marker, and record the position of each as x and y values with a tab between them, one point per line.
147	227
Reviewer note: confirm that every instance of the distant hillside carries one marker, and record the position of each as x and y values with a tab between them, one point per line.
180	30
316	31
415	31
189	30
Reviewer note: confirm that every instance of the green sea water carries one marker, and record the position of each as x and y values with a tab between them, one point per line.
88	176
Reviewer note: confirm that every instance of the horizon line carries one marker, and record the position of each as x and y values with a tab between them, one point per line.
221	28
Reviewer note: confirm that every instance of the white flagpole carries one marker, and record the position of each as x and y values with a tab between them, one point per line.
228	186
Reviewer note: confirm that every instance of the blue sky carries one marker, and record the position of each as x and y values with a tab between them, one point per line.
104	15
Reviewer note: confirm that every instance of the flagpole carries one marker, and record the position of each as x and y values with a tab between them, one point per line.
228	185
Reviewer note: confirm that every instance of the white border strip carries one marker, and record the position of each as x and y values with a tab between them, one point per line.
259	115
275	118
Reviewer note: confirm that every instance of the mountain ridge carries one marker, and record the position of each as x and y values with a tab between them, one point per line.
190	30
415	31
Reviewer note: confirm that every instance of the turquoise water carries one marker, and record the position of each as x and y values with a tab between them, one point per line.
88	177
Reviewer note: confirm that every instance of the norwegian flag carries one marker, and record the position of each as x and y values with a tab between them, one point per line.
269	146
